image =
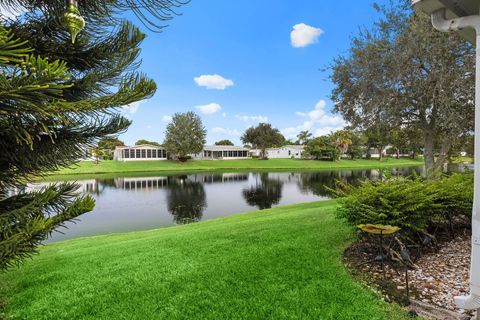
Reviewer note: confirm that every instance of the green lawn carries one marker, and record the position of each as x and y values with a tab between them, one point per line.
89	167
283	263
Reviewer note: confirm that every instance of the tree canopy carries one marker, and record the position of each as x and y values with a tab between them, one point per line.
322	148
185	135
225	142
262	137
143	141
109	143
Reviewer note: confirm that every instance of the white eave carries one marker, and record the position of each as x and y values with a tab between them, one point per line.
455	9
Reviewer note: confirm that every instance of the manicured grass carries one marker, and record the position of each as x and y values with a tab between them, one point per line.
89	167
463	160
282	263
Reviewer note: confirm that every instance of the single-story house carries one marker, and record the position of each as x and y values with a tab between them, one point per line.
286	152
221	153
141	152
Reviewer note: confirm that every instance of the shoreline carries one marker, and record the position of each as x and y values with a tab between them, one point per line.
88	168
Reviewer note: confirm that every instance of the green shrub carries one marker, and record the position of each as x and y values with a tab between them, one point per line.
415	205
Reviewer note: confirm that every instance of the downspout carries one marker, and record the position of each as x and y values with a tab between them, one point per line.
440	23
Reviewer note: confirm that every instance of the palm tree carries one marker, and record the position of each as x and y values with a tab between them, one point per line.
341	139
304	136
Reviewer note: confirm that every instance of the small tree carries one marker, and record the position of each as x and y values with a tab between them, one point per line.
262	137
185	135
342	140
322	148
98	154
225	142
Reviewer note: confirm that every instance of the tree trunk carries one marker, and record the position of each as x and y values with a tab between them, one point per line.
380	153
398	153
433	167
263	153
428	153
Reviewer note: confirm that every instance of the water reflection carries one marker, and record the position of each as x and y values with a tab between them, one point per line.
142	203
186	199
265	192
322	183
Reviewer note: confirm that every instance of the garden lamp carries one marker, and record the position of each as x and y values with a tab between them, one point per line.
463	16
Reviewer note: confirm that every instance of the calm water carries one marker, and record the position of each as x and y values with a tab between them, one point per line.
142	203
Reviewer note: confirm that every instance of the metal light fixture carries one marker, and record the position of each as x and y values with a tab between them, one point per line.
73	20
463	16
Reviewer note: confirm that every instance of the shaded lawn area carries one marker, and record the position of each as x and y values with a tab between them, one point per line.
282	263
110	166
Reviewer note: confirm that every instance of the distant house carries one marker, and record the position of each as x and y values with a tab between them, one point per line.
221	153
86	155
286	152
141	152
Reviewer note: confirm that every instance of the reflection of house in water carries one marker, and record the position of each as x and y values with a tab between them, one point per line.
144	183
224	177
84	186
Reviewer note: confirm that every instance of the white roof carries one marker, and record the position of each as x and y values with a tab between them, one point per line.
289	146
142	146
455	9
224	148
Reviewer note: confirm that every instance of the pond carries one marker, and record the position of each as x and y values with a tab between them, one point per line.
141	203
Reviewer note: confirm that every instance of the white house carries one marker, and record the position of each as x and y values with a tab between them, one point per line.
221	153
286	152
141	152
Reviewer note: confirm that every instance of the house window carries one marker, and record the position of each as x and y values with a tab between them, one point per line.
154	153
149	153
289	152
144	153
138	154
126	153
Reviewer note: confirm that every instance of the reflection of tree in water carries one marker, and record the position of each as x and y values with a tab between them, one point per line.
186	199
264	193
320	183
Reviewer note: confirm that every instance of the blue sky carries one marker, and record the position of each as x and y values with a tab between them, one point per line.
261	71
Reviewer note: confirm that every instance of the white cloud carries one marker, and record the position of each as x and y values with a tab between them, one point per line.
210	108
166	118
226	131
258	118
149	127
224	114
131	108
213	81
317	120
303	35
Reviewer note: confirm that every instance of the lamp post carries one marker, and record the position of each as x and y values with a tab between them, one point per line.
463	16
